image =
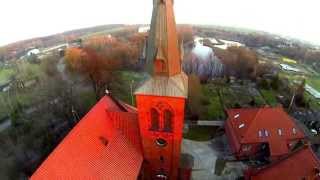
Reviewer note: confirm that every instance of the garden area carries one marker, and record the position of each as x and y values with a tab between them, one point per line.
312	80
5	74
236	96
269	96
201	133
211	101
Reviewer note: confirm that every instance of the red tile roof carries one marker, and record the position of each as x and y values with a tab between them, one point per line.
105	144
258	125
302	163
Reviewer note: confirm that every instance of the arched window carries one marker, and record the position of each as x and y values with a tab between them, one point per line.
168	121
154	120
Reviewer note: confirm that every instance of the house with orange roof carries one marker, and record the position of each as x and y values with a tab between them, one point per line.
302	163
267	132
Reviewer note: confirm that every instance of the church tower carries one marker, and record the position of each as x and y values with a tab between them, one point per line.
161	99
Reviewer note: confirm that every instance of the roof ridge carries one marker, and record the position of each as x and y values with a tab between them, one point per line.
117	103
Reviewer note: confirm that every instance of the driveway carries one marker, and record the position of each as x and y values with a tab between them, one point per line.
205	155
204	158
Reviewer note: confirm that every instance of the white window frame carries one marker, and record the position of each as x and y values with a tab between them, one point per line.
236	116
294	130
241	126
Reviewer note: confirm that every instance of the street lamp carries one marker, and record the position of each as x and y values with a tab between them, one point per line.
131	90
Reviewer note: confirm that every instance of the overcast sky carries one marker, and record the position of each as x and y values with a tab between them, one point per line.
23	19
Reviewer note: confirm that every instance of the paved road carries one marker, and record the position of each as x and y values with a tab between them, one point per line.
204	158
210	123
205	155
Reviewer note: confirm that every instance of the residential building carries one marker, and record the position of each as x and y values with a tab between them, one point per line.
262	132
300	164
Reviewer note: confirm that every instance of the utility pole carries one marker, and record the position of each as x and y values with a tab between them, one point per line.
292	100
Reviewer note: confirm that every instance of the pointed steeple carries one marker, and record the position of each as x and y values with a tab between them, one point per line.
163	51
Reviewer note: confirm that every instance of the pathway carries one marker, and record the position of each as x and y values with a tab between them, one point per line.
210	123
204	158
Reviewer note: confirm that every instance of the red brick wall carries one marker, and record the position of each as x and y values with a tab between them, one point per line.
152	152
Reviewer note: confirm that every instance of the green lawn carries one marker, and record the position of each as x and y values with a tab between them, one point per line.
269	96
28	71
291	76
214	108
288	60
200	133
229	99
314	82
312	79
314	103
104	32
5	75
234	96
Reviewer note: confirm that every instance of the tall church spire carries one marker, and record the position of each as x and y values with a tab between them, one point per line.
163	53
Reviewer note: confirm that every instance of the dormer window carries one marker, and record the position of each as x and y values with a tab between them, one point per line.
241	126
294	130
236	116
263	133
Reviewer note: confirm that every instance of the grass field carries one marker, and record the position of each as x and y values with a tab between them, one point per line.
314	82
5	75
314	103
200	133
214	108
269	96
29	71
312	78
105	32
288	60
240	96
